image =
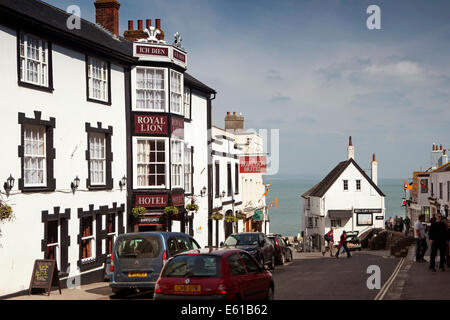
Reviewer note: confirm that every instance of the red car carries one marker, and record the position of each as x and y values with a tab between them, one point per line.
221	274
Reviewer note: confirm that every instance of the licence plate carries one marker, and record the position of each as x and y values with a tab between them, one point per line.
137	274
187	288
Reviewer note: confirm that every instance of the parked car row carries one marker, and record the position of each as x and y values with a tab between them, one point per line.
173	266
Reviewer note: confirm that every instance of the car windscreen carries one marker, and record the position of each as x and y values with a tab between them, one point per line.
146	247
193	266
242	239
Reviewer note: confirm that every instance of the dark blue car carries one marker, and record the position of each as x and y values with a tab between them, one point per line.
138	258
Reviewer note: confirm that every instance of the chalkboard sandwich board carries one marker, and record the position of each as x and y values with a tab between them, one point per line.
45	276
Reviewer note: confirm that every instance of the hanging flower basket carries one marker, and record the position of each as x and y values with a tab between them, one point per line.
231	219
192	207
138	211
6	213
216	216
171	210
241	216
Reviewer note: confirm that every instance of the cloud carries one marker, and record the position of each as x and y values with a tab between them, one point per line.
401	69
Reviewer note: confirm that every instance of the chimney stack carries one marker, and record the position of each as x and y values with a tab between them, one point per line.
134	35
234	122
140	25
158	27
374	171
107	15
350	149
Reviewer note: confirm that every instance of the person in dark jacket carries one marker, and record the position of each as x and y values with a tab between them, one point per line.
343	243
438	240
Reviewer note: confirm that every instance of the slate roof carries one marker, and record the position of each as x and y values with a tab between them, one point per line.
443	168
53	19
322	187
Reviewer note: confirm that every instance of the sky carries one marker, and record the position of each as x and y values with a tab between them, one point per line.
314	71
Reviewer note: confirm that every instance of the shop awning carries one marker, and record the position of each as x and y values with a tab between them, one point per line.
340	213
258	215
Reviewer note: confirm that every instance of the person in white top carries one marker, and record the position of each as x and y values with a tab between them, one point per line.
421	241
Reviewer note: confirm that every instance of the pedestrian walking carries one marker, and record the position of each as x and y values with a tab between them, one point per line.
408	224
421	240
330	241
343	243
438	240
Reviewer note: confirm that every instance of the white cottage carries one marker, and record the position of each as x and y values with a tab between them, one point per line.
346	199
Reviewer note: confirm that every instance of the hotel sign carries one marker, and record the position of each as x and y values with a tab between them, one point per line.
178	199
160	53
160	200
368	210
150	124
252	164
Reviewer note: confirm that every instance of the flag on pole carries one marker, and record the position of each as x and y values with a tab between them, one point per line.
407	186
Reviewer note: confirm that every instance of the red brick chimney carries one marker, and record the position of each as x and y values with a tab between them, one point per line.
107	15
158	27
134	35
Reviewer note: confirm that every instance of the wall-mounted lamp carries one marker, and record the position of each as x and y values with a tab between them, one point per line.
203	191
8	185
75	184
122	182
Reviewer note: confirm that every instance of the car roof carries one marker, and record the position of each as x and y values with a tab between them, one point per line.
161	233
234	234
211	251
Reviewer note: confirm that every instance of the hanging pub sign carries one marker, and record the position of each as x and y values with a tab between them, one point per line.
160	200
160	52
178	199
177	127
253	164
45	276
150	124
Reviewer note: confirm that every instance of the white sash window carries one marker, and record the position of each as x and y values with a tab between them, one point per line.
177	163
187	103
187	170
150	158
33	60
34	156
97	158
150	89
98	79
176	92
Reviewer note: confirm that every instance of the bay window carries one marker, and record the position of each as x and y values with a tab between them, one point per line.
34	60
150	161
150	89
187	102
98	73
34	156
187	170
176	163
176	92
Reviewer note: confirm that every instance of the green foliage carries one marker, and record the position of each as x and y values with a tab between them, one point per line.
6	213
171	210
138	211
192	207
216	216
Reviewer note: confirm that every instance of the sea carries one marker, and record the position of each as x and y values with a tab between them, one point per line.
286	218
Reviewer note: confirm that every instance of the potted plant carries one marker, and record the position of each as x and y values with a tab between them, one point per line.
6	213
171	210
138	211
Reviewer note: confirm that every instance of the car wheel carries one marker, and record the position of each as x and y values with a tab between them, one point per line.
270	294
272	263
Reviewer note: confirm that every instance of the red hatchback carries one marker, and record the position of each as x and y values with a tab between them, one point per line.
225	274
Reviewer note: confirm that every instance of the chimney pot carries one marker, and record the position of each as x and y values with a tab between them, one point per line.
228	113
148	23
350	141
140	25
440	148
234	113
374	158
130	25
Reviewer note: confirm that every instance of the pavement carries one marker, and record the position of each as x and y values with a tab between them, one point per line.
314	276
416	282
